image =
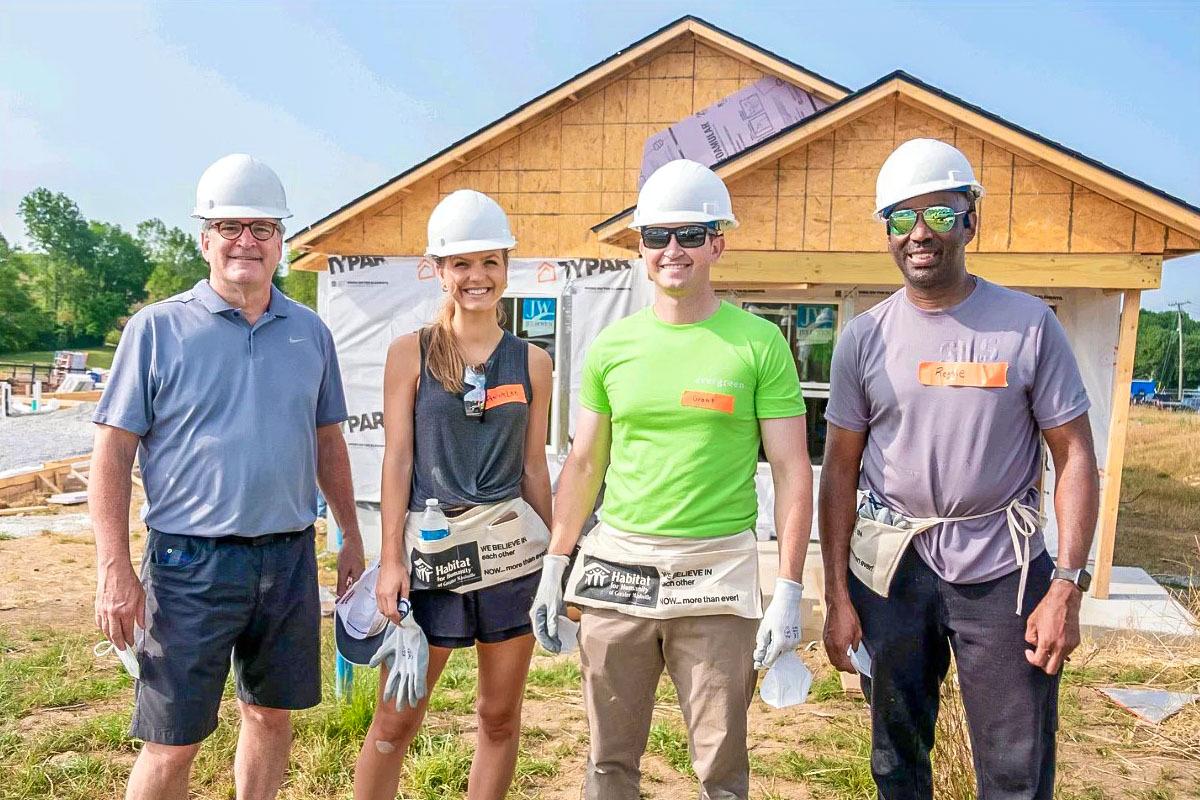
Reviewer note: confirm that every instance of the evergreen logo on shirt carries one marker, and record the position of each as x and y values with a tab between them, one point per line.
626	584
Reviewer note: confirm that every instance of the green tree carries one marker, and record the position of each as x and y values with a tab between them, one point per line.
176	263
300	285
1157	354
22	322
88	275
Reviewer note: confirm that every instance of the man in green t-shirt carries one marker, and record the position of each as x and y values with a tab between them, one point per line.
676	400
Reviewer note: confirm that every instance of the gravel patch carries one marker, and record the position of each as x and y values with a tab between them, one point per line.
33	524
29	441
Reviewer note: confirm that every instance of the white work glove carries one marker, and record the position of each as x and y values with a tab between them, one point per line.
405	651
548	603
779	630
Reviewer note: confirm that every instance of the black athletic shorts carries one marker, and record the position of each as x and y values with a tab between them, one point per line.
495	614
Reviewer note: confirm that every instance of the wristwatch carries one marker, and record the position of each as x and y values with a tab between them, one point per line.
1080	577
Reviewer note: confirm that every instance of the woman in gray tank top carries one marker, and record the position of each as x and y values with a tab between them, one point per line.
466	445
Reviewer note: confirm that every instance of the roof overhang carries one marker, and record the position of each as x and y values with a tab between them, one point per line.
1143	198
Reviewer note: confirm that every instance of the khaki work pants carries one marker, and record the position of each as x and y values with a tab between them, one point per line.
710	660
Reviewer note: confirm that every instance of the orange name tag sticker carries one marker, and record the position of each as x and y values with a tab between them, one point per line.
503	395
980	374
713	401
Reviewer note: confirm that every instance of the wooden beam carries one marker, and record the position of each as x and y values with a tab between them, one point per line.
1118	426
310	262
760	267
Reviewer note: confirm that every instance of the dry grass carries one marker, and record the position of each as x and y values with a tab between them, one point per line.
1160	493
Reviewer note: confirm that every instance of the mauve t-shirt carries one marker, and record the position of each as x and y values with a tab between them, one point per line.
954	451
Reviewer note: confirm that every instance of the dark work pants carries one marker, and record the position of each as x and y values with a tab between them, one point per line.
1011	706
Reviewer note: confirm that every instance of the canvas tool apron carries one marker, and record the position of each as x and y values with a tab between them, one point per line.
662	577
481	550
876	547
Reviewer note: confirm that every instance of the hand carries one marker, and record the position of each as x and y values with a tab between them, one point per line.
405	652
120	603
1053	627
843	633
350	562
548	602
390	586
779	631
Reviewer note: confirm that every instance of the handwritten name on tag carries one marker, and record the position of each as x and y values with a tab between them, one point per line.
980	374
713	401
503	395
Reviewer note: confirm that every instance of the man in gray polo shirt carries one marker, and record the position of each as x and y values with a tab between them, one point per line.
230	396
939	399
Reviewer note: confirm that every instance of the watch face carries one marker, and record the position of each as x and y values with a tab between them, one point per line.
1084	580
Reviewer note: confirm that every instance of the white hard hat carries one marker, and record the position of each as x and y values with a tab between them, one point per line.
684	191
468	221
239	186
921	166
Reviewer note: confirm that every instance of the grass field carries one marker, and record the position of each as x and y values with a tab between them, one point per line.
97	356
1160	493
64	717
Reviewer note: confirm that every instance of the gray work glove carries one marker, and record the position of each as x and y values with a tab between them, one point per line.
405	651
548	603
779	630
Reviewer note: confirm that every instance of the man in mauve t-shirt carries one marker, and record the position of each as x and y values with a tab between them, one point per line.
940	398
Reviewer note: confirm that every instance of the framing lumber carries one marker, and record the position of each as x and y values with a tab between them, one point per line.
51	475
1118	426
767	267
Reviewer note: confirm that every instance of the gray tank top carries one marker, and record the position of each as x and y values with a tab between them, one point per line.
463	461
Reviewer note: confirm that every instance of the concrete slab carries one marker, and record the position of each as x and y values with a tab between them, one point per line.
1136	602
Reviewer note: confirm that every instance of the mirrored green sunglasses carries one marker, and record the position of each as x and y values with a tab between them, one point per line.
939	219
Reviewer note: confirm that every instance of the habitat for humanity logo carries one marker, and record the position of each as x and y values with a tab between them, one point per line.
627	584
422	570
596	577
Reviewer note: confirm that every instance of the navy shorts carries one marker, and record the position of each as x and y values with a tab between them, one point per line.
207	600
495	614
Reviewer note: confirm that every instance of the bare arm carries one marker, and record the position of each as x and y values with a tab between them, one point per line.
837	509
786	444
333	476
120	600
535	480
1053	627
580	480
400	375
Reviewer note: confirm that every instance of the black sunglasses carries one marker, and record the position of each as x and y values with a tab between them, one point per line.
475	398
231	229
657	237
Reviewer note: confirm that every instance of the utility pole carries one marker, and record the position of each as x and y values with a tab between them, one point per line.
1179	327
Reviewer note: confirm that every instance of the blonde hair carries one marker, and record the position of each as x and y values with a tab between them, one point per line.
443	356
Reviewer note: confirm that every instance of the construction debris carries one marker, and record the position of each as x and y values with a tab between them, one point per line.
68	498
1151	705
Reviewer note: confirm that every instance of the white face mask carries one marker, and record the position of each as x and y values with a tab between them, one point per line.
358	609
129	656
787	681
860	659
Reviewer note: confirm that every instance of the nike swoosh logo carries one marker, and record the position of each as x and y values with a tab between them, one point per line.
293	341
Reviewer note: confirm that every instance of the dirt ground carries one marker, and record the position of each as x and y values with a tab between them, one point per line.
812	751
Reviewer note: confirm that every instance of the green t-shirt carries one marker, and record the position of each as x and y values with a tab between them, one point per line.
685	401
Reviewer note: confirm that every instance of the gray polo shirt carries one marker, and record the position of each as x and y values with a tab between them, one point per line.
227	412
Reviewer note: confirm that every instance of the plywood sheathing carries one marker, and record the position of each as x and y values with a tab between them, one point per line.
561	176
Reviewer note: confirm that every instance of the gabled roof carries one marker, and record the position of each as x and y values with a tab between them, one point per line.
1136	194
565	94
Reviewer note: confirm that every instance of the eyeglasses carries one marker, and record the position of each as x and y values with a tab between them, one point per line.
939	219
231	229
657	237
475	398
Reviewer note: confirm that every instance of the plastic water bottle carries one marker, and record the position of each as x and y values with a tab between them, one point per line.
433	522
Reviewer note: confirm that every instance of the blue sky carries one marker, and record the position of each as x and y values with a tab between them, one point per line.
122	105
